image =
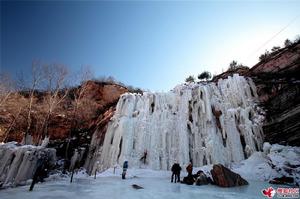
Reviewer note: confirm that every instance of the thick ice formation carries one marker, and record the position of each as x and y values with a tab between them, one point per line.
18	163
275	161
203	123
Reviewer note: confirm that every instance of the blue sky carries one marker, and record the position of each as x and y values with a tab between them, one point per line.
152	45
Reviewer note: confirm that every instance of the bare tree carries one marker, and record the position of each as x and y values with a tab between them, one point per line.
36	79
15	116
84	75
6	88
79	101
55	78
12	114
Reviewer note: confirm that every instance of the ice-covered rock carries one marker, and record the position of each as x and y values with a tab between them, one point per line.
276	162
18	163
203	123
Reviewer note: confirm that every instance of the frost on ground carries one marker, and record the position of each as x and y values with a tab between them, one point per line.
156	185
275	161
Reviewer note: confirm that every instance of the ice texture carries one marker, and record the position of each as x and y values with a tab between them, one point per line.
156	185
205	123
18	163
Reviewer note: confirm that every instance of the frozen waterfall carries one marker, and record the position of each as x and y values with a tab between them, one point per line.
19	162
203	123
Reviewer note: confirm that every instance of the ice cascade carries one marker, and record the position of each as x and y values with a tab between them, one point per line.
205	123
19	162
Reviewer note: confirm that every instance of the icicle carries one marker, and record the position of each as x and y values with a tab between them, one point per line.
182	125
18	163
45	142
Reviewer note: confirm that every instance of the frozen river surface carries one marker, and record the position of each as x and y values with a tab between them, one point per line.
113	187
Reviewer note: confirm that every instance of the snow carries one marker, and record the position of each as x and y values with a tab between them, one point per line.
156	185
257	169
183	125
276	161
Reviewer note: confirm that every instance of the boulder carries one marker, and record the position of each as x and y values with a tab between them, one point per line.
224	177
282	180
202	180
135	186
189	180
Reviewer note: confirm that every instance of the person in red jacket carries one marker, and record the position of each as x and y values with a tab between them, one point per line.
189	169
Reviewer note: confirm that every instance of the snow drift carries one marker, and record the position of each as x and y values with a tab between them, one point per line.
203	123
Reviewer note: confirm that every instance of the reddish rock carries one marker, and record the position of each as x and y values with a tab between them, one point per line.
224	177
282	180
217	114
101	99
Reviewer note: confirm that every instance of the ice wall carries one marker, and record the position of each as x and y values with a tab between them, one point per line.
18	163
203	123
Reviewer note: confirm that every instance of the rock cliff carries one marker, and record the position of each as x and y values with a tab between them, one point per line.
277	79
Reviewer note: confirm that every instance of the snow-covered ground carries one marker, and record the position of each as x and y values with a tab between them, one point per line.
108	185
275	161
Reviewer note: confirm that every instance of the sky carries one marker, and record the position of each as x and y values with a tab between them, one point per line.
153	45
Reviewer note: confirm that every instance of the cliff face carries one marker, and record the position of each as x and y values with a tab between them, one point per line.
98	101
278	86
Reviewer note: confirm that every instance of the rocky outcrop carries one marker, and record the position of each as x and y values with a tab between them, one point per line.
282	180
278	86
98	96
224	177
284	61
97	140
69	135
277	79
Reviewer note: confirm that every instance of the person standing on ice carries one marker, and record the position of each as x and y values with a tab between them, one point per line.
176	172
125	167
41	171
189	169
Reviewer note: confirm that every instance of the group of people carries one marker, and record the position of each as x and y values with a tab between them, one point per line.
199	178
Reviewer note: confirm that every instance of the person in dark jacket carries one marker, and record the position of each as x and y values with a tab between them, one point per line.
144	157
125	167
41	171
176	172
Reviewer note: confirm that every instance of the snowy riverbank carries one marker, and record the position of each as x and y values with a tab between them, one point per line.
258	169
108	185
275	161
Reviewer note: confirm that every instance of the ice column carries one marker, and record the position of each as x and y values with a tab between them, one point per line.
205	123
